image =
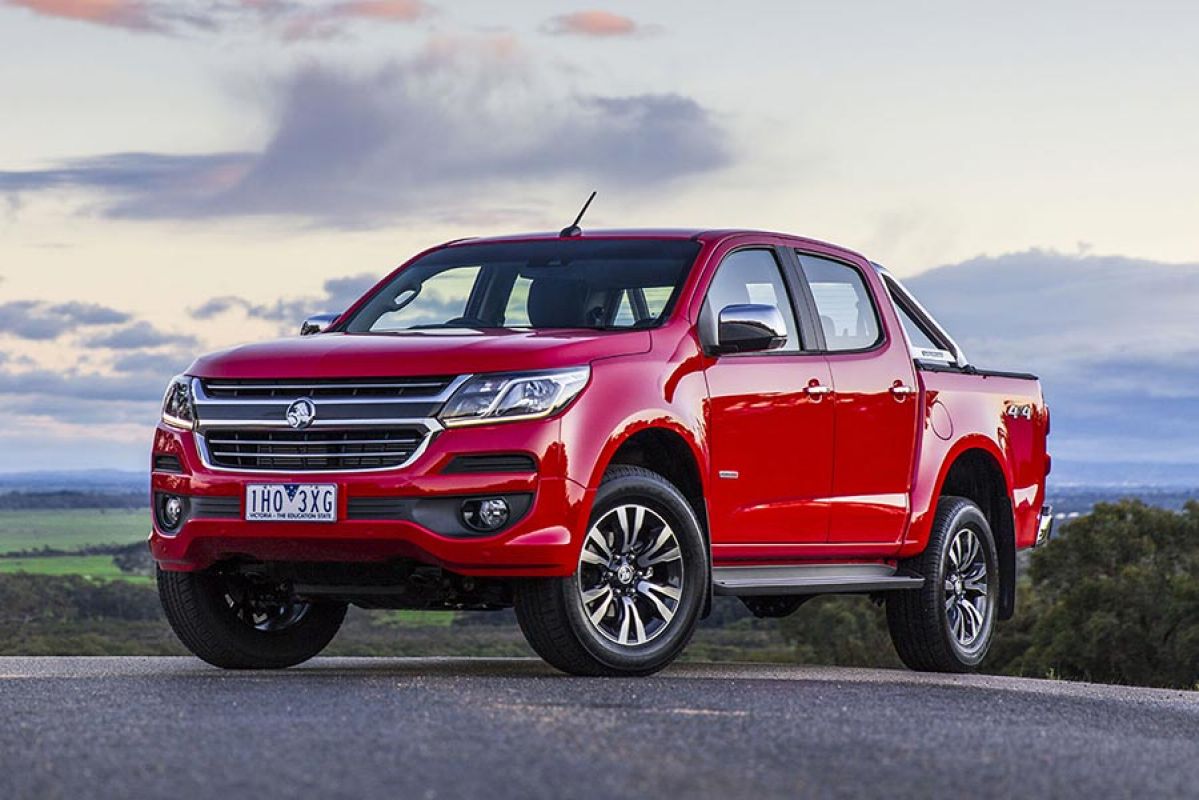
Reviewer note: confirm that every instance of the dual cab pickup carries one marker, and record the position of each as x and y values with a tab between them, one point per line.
603	430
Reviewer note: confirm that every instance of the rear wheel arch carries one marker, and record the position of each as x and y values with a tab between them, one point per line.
977	475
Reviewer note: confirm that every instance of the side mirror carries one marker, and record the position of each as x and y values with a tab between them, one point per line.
750	328
317	323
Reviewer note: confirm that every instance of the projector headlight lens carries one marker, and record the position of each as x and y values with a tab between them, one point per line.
177	408
513	396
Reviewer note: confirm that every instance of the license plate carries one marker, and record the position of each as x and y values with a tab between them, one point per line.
291	502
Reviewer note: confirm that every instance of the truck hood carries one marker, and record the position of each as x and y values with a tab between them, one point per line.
340	355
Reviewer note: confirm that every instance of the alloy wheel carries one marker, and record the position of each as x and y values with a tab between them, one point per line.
967	585
630	577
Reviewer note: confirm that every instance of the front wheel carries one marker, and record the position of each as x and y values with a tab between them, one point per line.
947	625
238	622
632	604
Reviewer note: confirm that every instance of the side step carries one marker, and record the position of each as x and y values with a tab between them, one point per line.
810	579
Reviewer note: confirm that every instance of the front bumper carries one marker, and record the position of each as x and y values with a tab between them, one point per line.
541	543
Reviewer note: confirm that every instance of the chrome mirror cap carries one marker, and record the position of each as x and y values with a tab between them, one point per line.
317	323
750	328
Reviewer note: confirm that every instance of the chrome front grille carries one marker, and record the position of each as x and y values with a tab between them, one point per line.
358	424
313	451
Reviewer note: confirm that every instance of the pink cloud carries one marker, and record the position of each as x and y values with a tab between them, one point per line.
327	22
117	13
594	23
393	10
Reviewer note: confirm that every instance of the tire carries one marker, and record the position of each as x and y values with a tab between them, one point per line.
597	633
223	632
947	625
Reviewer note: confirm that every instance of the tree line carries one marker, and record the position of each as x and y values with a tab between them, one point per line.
1114	598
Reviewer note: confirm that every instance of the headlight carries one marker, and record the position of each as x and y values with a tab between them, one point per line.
523	395
177	409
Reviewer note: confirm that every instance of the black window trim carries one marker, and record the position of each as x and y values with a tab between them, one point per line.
792	285
884	337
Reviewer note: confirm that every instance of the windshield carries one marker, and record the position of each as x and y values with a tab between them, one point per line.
605	284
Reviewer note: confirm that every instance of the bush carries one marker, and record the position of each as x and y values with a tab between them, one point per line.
1114	599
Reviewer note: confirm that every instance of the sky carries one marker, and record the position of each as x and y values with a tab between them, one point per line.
176	177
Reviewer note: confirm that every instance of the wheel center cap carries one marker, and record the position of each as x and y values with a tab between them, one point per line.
625	574
959	587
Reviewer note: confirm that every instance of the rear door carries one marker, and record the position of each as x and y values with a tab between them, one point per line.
771	423
875	397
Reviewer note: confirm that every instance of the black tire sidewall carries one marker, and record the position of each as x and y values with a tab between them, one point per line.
660	496
220	638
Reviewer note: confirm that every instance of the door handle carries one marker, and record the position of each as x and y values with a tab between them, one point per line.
900	391
818	390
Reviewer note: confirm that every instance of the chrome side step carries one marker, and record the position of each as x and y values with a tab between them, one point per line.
810	579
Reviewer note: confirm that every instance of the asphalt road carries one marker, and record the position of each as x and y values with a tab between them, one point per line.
426	728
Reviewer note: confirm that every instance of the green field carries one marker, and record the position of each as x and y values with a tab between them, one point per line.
93	567
71	529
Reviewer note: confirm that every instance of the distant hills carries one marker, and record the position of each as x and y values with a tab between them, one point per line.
87	480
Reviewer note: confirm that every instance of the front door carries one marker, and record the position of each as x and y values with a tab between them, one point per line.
875	401
771	422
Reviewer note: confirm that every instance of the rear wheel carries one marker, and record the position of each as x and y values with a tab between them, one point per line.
634	600
238	622
947	625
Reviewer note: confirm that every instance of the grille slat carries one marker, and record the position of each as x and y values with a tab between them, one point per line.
314	450
390	388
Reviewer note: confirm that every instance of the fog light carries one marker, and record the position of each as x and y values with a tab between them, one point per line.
485	515
172	512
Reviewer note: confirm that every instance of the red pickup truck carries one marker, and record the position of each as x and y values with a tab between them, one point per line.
603	430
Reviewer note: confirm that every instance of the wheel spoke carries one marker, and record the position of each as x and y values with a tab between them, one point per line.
596	538
664	611
976	618
977	586
600	611
625	620
665	537
971	548
638	521
591	595
665	591
638	625
589	557
673	554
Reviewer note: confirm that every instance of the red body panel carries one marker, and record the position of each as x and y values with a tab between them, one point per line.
854	476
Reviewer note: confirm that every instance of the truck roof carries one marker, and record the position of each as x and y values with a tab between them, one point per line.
638	233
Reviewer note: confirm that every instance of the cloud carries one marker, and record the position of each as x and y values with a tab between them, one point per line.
1112	338
329	21
289	20
454	129
129	180
339	294
41	321
129	14
140	334
600	24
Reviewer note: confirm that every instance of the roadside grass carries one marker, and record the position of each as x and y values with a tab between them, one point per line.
71	529
97	567
402	618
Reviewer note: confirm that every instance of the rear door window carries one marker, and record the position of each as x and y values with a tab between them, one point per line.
847	313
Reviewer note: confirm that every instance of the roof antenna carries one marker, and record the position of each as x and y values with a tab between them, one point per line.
573	229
